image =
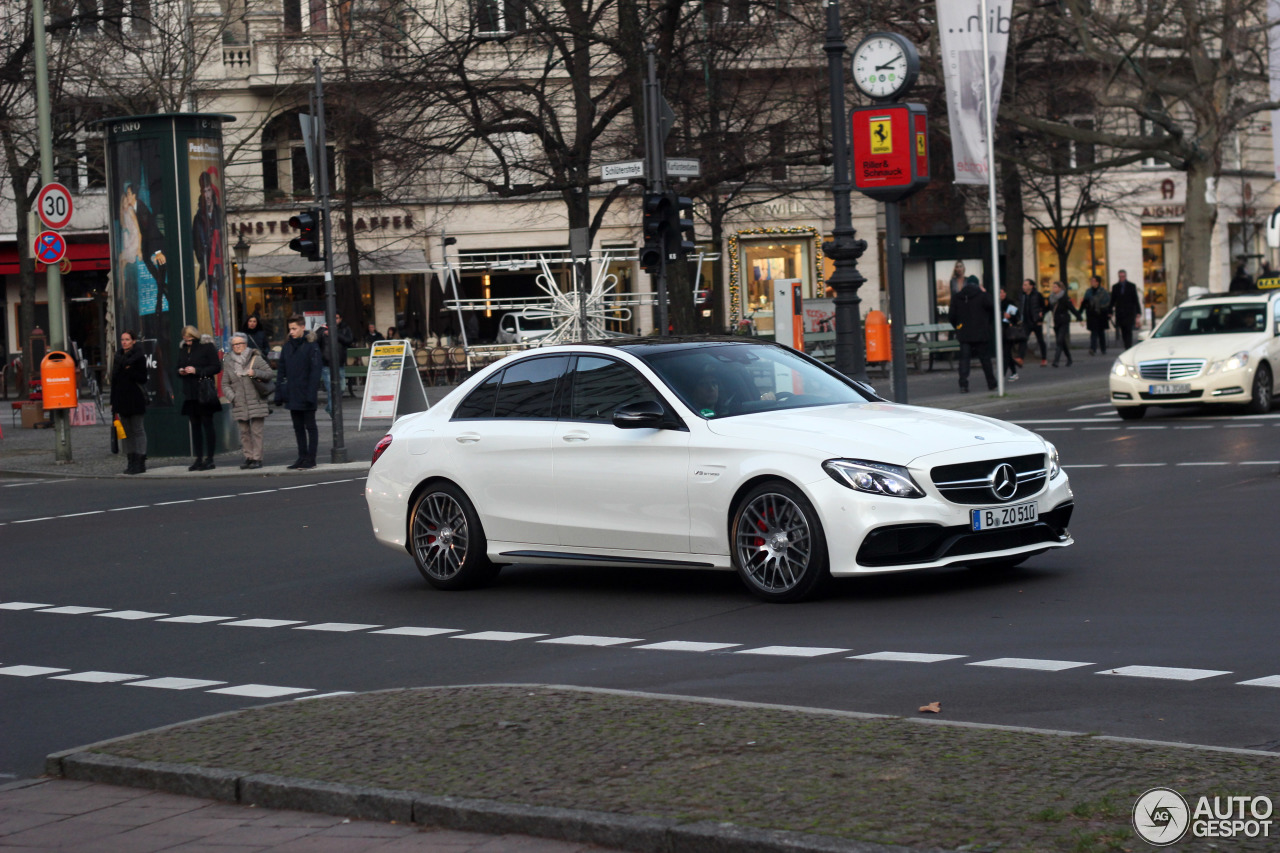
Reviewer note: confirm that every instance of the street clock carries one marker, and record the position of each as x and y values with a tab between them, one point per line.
885	66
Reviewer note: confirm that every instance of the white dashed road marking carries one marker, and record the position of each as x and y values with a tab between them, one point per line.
262	623
1269	681
1031	663
410	631
22	605
1167	672
95	677
905	657
131	615
175	683
261	691
340	627
791	651
588	640
497	636
29	671
684	646
73	611
196	620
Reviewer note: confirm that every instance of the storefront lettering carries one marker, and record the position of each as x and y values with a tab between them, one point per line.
785	208
373	223
1165	212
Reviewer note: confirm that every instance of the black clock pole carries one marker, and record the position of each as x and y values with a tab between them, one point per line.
845	249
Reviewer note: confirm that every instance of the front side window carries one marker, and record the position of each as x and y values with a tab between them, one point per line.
480	402
528	388
601	385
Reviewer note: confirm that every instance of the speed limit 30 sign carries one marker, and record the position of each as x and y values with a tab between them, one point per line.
54	206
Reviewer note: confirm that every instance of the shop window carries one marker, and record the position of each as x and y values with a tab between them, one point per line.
1085	258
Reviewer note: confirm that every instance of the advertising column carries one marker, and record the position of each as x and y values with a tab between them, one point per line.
169	254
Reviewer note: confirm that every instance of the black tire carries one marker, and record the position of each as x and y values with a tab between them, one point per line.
447	541
1131	413
1262	396
777	544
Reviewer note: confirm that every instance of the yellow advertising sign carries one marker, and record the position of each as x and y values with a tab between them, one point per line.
881	134
920	145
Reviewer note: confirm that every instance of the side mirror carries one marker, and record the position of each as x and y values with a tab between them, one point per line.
646	414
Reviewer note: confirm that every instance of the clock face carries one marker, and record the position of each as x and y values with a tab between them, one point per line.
882	67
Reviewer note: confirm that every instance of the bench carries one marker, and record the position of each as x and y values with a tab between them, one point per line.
930	340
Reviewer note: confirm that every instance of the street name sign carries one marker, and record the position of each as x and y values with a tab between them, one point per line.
622	172
683	167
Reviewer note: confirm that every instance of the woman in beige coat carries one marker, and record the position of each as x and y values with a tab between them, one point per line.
239	368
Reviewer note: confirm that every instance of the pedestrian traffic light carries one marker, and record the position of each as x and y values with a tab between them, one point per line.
307	243
681	236
657	224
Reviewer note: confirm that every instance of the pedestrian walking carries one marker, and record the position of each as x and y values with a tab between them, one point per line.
257	334
1096	305
971	315
129	399
198	364
1063	311
1011	333
1032	312
248	407
297	388
1127	307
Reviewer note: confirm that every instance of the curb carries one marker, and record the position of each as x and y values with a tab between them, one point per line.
641	834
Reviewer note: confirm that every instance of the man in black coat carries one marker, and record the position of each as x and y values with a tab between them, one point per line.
297	388
1127	307
1033	308
345	340
972	313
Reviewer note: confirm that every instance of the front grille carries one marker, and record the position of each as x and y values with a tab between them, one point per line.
910	544
1171	368
970	482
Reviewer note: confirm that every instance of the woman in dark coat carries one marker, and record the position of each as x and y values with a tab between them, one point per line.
129	400
256	333
198	358
297	388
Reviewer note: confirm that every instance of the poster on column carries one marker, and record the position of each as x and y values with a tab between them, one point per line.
208	242
960	35
393	386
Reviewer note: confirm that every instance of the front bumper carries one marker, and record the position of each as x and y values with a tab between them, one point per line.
1233	386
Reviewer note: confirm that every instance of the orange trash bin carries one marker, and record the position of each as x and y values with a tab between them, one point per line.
877	326
58	381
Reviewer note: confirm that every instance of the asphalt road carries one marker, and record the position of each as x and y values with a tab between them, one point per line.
1145	628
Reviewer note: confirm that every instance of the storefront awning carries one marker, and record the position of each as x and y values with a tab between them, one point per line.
83	257
372	263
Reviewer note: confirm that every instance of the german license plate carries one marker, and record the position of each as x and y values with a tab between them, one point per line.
1003	516
1170	388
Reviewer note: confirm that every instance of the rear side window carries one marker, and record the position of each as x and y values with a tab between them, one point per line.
600	385
480	402
528	388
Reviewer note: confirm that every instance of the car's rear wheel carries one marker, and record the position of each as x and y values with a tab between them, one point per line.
1131	413
778	546
447	541
1260	403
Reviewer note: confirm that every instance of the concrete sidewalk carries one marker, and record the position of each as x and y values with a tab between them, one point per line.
31	452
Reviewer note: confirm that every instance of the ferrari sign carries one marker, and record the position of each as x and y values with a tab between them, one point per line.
890	150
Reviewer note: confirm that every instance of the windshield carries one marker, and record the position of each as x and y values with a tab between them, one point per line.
1217	319
536	324
723	380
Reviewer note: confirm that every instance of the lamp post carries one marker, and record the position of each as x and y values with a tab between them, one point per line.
241	248
845	249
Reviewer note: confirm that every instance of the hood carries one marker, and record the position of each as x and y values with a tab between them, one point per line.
1209	347
885	432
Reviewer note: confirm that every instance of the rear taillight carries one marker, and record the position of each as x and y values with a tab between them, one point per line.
381	448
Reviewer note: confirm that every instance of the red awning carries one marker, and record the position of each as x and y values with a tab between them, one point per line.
84	257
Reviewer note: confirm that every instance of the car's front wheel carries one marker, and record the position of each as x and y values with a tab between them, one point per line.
778	546
1260	403
447	541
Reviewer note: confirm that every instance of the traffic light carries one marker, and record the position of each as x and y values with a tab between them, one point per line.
681	234
307	243
658	208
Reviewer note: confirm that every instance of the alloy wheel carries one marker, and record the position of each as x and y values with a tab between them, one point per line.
440	536
774	542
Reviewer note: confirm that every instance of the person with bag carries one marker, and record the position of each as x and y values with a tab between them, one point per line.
1012	334
298	387
245	375
129	400
198	364
971	315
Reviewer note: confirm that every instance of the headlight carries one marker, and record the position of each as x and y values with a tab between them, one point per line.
1237	361
1122	369
874	478
1051	457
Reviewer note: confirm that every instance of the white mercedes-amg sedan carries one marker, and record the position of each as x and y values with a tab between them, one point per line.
731	454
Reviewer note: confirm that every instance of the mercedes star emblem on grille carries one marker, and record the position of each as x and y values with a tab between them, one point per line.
1004	481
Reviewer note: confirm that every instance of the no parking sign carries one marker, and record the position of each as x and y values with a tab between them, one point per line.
49	247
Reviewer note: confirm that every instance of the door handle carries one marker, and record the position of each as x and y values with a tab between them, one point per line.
575	436
468	438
